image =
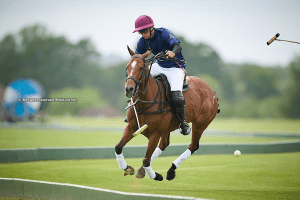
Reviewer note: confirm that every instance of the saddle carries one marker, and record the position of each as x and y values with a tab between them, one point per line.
164	80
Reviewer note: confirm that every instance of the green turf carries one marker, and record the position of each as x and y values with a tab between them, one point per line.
33	138
261	176
240	125
87	121
257	125
14	198
37	138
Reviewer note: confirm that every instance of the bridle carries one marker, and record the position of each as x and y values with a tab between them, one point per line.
136	91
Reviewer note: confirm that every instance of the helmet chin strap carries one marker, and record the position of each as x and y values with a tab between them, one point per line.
151	32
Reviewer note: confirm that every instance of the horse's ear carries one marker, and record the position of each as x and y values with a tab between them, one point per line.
130	51
145	55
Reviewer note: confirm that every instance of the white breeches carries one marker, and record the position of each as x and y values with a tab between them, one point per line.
174	75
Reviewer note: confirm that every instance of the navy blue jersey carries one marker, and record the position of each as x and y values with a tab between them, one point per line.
163	40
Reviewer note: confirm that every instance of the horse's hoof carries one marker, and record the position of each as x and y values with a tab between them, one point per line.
129	171
171	174
140	173
158	177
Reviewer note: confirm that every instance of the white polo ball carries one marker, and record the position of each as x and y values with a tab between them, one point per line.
237	153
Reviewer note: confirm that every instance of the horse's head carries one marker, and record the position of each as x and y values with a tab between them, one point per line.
136	71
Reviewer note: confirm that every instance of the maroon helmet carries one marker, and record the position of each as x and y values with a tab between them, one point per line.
142	22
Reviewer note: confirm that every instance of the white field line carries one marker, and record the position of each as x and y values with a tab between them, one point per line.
103	190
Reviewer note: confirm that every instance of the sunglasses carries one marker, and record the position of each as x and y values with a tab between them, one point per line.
143	31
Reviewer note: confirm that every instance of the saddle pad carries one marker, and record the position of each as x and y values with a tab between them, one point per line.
163	79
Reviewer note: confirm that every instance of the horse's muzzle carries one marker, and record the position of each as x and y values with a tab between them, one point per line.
129	91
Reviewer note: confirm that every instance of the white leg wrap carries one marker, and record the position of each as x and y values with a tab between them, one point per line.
150	172
182	158
121	161
155	154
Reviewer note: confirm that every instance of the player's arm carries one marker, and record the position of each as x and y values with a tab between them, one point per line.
176	50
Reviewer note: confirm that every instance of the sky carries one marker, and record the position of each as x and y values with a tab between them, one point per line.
237	29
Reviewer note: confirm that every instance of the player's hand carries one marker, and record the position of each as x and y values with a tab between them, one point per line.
170	54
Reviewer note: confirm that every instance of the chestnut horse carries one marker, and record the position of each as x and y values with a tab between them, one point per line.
201	107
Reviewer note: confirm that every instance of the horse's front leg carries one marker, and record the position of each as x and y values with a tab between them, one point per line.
164	142
153	141
127	136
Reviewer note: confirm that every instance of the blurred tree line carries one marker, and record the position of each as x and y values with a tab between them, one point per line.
74	70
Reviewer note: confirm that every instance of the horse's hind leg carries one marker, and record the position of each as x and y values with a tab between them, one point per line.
197	133
164	142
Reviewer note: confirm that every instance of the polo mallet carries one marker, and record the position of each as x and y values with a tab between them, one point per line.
275	38
141	129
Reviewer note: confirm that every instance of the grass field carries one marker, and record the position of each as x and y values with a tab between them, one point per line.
14	198
39	137
263	176
249	125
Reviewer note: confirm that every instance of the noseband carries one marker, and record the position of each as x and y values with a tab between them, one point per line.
136	92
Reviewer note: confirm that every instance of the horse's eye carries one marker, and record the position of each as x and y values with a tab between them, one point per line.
141	69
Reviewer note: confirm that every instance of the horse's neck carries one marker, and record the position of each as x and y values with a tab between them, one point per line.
150	93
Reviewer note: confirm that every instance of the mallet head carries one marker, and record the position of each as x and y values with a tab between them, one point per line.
273	38
140	130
